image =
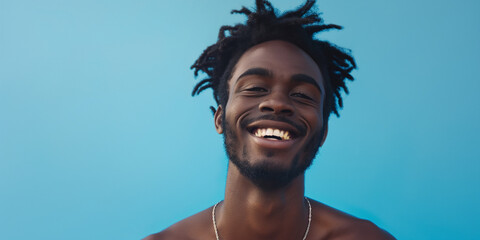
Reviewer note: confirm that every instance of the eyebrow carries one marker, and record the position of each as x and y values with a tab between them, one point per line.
256	71
302	78
297	78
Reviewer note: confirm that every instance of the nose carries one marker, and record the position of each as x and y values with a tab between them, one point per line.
277	103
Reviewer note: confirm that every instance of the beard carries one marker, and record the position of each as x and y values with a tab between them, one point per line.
265	174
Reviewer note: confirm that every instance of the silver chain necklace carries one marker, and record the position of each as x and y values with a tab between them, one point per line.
304	236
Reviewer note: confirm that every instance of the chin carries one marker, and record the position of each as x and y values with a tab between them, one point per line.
267	174
274	170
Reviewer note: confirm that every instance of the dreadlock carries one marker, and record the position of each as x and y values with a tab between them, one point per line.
297	27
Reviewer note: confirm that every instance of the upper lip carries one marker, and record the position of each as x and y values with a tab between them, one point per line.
294	132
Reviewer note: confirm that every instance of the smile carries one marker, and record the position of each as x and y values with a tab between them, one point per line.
275	132
272	133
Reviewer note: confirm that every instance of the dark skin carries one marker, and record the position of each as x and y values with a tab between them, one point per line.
277	78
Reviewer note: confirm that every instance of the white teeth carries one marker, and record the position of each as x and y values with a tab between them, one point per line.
276	132
282	134
269	131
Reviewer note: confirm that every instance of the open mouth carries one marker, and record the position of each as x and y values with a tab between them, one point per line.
272	133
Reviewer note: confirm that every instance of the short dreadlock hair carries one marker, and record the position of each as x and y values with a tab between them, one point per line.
297	27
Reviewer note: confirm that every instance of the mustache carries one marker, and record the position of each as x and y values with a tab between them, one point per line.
299	127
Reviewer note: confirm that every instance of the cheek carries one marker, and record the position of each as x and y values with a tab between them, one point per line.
231	116
314	118
238	107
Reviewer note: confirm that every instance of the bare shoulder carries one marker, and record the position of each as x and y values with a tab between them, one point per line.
337	225
197	226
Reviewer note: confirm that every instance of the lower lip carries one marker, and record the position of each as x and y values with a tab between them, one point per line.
272	144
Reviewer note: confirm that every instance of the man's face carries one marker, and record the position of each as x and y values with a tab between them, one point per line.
272	122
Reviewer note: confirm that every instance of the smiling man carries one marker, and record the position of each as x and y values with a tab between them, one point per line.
276	86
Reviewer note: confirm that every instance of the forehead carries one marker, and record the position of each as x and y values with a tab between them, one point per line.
282	58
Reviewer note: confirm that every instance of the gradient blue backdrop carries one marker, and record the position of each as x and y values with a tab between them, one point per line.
100	139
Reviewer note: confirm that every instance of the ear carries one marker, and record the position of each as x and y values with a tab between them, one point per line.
218	118
325	133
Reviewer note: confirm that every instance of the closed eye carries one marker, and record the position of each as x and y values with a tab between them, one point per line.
256	89
301	95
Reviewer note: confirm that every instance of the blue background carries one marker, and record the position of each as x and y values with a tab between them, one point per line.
100	139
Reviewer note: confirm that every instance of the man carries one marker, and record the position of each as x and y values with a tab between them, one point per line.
276	87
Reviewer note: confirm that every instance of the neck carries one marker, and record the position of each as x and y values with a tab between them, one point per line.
249	212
